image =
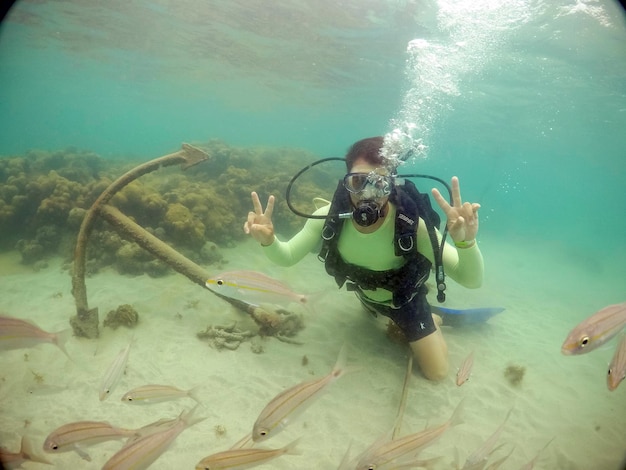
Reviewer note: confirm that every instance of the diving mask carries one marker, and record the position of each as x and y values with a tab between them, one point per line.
372	185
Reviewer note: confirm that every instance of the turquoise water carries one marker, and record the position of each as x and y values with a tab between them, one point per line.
525	103
534	125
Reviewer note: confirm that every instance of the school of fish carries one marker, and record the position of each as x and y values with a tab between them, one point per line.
144	445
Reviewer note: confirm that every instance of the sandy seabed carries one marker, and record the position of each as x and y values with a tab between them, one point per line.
560	397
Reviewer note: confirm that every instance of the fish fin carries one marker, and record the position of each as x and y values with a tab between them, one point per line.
27	451
190	418
341	365
194	393
457	415
83	455
312	301
60	338
291	447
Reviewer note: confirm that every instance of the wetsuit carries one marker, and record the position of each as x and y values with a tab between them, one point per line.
375	251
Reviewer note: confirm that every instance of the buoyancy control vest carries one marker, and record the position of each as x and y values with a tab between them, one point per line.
404	282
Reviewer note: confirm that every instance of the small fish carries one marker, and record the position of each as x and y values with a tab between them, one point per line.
293	401
478	459
389	453
158	393
238	459
16	334
498	463
114	372
617	366
72	436
595	330
531	464
253	287
140	453
465	370
25	454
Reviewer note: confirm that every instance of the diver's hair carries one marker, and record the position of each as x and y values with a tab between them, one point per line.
366	149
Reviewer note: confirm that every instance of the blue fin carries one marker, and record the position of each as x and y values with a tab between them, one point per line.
455	317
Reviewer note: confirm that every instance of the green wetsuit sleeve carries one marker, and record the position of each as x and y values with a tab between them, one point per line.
288	253
465	265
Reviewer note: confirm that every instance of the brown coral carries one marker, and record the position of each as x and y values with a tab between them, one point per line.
124	315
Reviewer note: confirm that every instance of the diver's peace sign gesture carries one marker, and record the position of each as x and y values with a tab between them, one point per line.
462	217
259	223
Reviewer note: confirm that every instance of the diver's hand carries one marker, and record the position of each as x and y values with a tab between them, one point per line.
259	223
462	217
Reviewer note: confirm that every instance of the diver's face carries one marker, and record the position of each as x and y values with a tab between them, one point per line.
368	182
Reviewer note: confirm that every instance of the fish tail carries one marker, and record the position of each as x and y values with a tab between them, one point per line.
312	301
190	418
457	415
26	449
194	393
60	338
340	367
291	448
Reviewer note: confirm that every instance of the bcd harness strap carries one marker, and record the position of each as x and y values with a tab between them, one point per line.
404	282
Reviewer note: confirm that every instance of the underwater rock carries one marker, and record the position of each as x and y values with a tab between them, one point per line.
124	315
75	217
210	253
30	250
182	227
131	259
156	268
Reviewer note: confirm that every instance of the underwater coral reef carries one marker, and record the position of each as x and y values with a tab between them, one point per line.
44	196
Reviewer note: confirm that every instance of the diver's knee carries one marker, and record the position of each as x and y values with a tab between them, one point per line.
437	373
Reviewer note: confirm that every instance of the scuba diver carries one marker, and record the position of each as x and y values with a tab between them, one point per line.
381	238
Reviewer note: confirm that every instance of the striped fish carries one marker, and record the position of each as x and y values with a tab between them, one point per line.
389	453
253	287
478	459
157	393
140	453
617	366
463	374
72	436
114	372
16	334
595	330
238	459
293	401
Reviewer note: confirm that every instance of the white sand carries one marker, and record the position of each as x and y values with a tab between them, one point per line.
545	296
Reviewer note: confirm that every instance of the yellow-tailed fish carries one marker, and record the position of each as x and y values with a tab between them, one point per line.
25	454
114	372
73	436
142	452
595	330
293	401
617	366
16	334
463	374
253	287
478	459
157	393
238	459
390	453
